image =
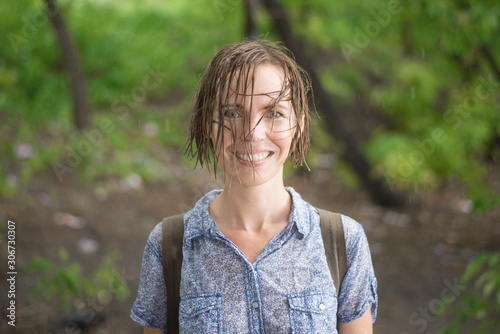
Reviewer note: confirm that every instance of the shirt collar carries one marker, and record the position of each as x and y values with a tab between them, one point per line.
198	221
302	214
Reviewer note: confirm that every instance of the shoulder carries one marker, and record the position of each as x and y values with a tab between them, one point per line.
352	229
156	235
356	241
154	239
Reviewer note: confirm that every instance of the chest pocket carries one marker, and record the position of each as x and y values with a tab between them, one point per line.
313	313
200	314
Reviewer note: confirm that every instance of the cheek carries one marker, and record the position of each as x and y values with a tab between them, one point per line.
220	148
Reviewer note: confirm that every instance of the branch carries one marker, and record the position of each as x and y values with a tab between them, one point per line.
352	153
72	64
486	52
251	29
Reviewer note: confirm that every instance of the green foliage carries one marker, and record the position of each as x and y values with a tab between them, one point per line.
119	147
65	282
482	302
421	67
441	101
135	56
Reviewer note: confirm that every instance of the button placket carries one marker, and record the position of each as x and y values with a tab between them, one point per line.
253	299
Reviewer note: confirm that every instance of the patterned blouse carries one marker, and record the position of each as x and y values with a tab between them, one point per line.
287	289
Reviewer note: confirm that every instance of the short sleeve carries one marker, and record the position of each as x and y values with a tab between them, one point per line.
359	287
150	307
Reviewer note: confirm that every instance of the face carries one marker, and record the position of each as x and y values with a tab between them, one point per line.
262	127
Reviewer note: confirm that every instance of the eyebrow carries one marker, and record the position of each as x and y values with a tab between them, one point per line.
273	103
259	94
236	105
278	105
286	97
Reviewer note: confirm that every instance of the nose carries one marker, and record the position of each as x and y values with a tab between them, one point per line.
254	129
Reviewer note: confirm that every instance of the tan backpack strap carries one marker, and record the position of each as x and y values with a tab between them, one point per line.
332	231
171	247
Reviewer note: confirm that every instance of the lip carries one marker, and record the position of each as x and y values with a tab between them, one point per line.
257	163
252	150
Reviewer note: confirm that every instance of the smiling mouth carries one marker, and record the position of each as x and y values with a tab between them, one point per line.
253	157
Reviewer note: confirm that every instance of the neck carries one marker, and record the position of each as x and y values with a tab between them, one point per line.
251	207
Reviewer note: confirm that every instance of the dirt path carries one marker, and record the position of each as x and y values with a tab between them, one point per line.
418	252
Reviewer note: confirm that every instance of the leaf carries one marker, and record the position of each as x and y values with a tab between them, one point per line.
489	288
71	283
39	263
450	329
63	254
485	278
494	260
475	265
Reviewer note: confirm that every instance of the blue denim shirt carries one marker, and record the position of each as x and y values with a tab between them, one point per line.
287	289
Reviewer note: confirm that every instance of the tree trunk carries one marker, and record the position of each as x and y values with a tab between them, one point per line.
251	7
406	37
73	66
486	52
352	153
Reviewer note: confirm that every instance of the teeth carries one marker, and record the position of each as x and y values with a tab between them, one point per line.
253	157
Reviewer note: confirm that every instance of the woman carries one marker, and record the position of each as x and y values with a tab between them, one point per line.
254	259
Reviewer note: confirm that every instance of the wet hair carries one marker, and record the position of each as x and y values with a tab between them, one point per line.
236	64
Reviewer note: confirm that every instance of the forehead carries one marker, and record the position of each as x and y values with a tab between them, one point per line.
267	80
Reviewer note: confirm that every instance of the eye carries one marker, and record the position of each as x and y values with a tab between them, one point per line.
274	114
232	113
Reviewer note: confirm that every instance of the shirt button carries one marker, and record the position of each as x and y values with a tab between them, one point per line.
255	304
322	307
189	311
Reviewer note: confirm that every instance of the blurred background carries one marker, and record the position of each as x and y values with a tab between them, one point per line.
94	101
